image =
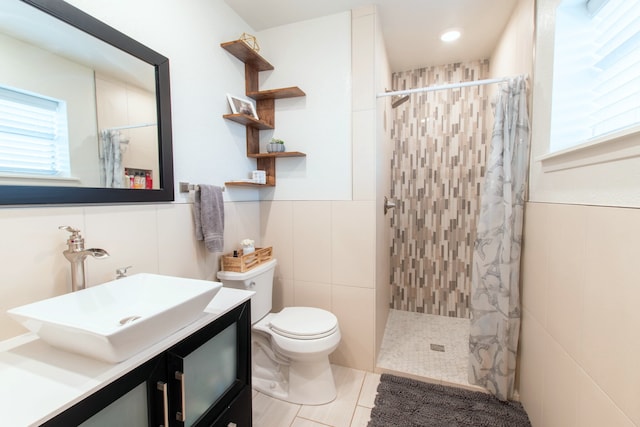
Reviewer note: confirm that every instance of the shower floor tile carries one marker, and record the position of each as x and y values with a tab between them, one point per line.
412	345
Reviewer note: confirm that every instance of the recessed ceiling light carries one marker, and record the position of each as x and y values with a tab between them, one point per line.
450	36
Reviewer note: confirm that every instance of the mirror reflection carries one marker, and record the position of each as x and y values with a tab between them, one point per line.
74	110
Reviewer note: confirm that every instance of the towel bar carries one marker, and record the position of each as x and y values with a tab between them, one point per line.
185	187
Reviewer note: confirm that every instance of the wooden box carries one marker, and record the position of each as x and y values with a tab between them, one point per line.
243	262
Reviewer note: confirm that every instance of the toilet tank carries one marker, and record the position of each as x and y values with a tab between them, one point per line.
258	280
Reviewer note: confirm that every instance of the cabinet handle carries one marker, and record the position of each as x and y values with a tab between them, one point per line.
162	386
182	415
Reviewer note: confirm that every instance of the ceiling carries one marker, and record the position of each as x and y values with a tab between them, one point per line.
411	28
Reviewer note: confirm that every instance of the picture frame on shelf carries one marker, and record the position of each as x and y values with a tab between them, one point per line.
242	106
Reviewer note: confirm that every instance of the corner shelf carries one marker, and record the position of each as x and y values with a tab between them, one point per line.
280	154
244	53
243	119
265	107
247	184
287	92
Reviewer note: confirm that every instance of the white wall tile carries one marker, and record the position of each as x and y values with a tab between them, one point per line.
580	336
128	233
363	61
309	294
312	241
31	251
241	221
364	155
595	408
560	387
566	258
353	244
531	368
283	293
610	330
247	224
276	219
535	261
361	11
179	254
354	308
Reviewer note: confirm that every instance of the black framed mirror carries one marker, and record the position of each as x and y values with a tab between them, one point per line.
122	60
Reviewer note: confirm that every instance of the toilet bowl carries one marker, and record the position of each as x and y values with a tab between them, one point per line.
290	349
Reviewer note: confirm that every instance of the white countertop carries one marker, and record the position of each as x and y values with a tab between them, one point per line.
38	381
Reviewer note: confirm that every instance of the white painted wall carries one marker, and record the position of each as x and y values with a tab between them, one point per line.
314	55
513	54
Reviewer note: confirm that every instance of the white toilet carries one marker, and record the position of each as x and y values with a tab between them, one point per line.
290	349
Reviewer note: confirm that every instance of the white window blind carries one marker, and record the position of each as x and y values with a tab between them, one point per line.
596	84
33	134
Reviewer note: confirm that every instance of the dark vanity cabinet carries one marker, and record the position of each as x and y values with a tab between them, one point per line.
209	371
204	380
135	399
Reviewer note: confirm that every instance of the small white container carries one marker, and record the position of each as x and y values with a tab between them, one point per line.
259	177
247	246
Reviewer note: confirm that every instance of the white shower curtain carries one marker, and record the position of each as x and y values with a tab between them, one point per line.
495	298
111	168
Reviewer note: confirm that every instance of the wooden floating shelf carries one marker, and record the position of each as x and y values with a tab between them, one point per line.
247	184
243	119
278	154
287	92
244	53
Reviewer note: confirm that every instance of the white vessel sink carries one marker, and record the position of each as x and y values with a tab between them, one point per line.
115	320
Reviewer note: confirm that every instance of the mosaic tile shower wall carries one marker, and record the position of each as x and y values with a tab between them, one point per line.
438	163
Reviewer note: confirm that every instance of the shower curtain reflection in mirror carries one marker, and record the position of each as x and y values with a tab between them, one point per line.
112	146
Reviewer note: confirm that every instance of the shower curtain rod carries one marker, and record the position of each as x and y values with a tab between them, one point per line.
441	87
142	125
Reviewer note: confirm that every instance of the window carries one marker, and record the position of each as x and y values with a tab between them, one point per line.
596	82
33	134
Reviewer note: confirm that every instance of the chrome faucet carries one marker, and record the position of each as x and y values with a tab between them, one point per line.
76	254
121	272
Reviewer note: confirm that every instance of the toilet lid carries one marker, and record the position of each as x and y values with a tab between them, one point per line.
304	323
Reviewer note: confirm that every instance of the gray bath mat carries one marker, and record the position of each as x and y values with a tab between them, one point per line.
409	403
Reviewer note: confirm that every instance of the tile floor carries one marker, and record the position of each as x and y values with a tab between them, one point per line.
405	351
351	408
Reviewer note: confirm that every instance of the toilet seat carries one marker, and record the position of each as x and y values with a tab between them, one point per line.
304	323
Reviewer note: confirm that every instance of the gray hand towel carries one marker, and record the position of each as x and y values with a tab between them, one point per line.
209	217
